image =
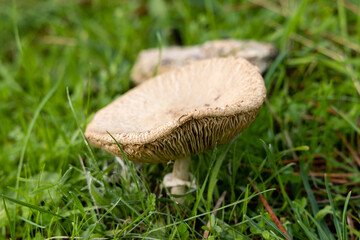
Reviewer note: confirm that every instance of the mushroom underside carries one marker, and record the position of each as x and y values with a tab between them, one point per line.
182	112
192	137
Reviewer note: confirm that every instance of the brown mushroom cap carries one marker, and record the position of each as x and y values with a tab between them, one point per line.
182	112
171	58
259	54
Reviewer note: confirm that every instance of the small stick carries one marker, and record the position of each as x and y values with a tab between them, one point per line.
270	211
217	205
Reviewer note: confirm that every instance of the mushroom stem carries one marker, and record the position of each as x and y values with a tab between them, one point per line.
181	171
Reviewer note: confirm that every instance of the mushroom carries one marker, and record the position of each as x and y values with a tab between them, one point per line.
180	113
171	57
259	54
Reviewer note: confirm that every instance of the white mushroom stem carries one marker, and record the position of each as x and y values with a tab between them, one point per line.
181	171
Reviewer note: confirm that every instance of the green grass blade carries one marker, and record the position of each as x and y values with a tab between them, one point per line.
11	225
307	231
254	224
292	23
358	23
88	93
321	231
202	189
92	156
160	45
16	29
25	204
206	213
271	156
345	235
110	209
78	203
214	174
304	176
275	227
347	119
313	203
131	170
30	222
270	73
342	18
31	126
335	218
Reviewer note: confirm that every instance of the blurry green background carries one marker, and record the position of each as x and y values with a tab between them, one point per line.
89	47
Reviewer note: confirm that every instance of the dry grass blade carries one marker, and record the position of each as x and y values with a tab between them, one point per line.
338	178
351	6
351	224
326	201
269	5
59	40
67	237
344	42
358	137
317	158
270	211
217	205
351	150
331	175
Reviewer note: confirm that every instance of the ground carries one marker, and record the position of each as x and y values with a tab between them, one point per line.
60	61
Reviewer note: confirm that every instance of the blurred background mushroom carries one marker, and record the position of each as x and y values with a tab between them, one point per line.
258	53
179	113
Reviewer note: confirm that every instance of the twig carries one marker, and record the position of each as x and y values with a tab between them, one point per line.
351	150
270	211
217	205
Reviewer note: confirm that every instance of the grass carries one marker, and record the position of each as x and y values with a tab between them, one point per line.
60	61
